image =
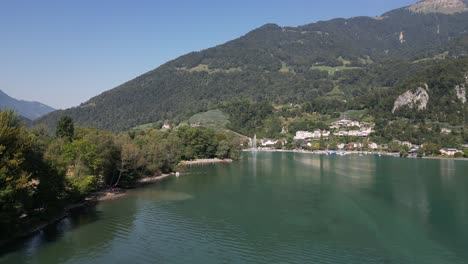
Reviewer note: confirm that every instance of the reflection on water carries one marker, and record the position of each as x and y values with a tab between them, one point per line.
157	195
275	208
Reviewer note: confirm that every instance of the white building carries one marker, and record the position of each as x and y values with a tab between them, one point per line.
326	133
320	133
353	133
345	123
449	151
303	135
317	134
373	145
446	131
268	142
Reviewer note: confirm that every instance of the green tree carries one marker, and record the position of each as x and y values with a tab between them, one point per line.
432	149
420	153
65	128
15	179
222	151
132	163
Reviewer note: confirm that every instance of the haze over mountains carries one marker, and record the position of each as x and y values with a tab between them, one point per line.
29	110
337	64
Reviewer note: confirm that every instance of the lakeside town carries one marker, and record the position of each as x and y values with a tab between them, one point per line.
350	136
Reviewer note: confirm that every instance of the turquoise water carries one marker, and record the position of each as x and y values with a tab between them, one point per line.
274	208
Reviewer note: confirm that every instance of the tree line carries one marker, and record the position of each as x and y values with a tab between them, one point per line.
40	173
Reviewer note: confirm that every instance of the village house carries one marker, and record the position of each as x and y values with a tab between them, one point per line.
449	151
413	153
326	133
354	146
341	127
354	133
166	126
320	134
405	144
317	134
446	131
341	146
303	135
268	142
373	146
345	123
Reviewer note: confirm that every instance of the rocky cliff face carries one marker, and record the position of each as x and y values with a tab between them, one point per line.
414	100
439	6
460	90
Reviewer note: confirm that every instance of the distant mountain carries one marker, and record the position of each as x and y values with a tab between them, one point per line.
333	63
25	120
29	110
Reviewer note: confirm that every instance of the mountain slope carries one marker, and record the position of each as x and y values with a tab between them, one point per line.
30	110
279	64
440	6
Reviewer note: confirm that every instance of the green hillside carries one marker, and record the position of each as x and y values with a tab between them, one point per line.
330	65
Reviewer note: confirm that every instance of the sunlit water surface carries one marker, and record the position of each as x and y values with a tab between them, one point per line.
274	208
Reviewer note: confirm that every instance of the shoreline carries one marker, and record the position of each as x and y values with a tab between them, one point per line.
92	199
327	152
106	194
346	152
204	161
115	193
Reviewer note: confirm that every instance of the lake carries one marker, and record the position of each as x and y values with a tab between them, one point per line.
274	208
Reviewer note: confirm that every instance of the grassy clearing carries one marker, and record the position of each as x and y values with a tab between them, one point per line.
344	61
214	119
333	70
286	69
440	56
206	68
360	115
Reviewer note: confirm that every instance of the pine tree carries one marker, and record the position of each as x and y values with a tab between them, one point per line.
65	128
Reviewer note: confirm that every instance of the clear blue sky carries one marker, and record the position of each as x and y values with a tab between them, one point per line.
64	52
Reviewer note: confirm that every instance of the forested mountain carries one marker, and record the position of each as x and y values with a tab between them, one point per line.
332	65
29	110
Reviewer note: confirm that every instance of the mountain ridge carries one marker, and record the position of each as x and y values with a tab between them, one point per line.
28	109
439	6
280	64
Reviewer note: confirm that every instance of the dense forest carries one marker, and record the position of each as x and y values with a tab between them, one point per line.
332	65
40	174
